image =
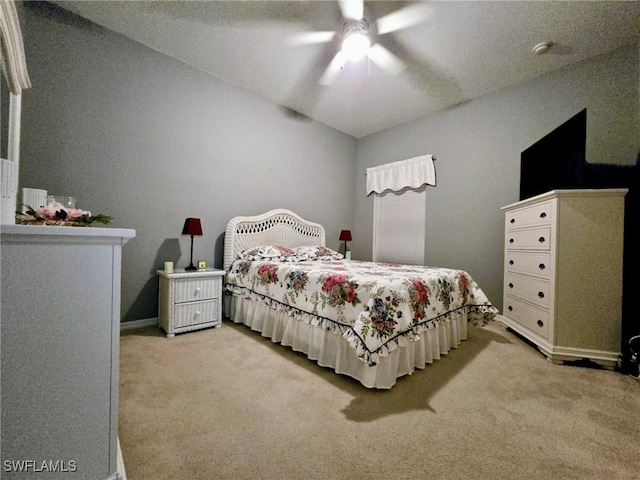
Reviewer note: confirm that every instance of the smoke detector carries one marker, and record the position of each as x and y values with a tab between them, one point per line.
542	48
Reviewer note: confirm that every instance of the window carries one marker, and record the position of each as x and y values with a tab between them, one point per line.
399	208
399	226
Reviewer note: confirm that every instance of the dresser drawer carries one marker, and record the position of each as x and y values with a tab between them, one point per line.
189	314
528	288
532	239
535	319
193	289
529	263
539	214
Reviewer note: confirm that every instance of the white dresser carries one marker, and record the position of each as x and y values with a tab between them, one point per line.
60	344
563	273
190	300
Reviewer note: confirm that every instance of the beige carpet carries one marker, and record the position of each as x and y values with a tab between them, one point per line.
228	404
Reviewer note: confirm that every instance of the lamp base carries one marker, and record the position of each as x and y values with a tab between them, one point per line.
190	268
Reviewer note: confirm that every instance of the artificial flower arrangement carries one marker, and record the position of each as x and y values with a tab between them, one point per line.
56	214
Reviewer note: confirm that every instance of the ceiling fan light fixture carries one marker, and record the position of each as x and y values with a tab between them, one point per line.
356	45
356	40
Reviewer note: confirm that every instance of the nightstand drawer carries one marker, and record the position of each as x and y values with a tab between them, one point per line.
189	314
535	319
538	264
528	288
533	239
194	289
529	216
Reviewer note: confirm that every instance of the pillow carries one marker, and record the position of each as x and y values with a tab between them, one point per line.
272	252
317	252
284	254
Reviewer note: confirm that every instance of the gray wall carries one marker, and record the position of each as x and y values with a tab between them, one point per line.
139	136
478	148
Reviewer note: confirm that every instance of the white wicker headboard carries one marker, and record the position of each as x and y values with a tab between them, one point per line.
276	227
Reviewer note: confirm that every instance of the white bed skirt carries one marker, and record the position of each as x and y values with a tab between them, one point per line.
333	351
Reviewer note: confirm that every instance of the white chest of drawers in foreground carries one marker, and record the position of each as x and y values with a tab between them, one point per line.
189	300
563	273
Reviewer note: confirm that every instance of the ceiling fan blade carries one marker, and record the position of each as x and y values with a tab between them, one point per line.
310	38
352	9
305	96
404	18
425	73
333	70
386	60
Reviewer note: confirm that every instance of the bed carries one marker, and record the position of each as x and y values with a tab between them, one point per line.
375	322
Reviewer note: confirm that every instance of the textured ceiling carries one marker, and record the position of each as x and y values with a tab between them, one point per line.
457	52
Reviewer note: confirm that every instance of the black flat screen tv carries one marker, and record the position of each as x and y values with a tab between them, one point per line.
556	161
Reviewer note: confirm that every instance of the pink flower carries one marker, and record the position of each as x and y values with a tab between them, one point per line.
265	268
268	273
351	294
420	291
50	212
76	213
332	281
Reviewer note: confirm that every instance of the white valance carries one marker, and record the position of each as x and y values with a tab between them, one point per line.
412	173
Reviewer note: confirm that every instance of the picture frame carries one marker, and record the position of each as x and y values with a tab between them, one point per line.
202	265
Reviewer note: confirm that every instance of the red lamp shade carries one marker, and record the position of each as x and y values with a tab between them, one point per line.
345	236
192	226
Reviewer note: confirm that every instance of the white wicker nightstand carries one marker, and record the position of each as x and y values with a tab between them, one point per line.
190	300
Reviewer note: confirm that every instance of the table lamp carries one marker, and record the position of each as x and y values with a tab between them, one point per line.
192	227
345	236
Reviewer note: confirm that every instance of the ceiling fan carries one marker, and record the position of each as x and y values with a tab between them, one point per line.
361	35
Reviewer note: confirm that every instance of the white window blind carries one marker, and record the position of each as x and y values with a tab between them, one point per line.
399	208
399	226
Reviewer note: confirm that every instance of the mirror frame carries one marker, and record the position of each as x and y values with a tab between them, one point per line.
14	66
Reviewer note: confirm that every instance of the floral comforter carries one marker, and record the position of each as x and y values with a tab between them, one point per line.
375	306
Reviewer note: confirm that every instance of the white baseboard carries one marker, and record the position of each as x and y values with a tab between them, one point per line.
122	474
145	322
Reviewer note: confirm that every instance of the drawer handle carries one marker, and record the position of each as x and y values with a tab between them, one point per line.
198	313
510	262
511	240
541	239
510	308
541	294
540	323
513	220
543	215
511	285
541	266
